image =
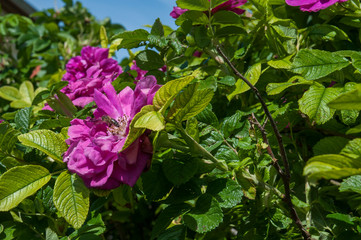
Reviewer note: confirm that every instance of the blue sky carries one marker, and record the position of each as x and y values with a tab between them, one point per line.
132	14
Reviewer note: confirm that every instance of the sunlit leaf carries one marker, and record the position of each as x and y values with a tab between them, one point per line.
20	182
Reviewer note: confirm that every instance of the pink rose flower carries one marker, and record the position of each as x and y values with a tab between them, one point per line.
91	58
92	70
95	144
230	5
312	5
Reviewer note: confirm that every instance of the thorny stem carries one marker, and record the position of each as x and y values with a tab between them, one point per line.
285	175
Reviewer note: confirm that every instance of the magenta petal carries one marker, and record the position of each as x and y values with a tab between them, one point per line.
104	104
126	100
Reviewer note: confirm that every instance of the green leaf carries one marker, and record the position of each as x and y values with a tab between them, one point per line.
284	63
151	120
157	28
155	184
8	138
131	39
71	198
198	5
103	37
22	119
9	93
167	93
277	88
166	217
252	75
149	60
134	132
230	124
195	17
351	184
314	64
227	192
314	103
226	17
180	169
331	166
20	182
342	217
208	116
177	232
326	32
201	37
329	145
348	101
26	91
352	149
189	103
51	143
205	216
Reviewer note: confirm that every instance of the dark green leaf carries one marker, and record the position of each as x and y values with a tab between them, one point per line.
180	169
149	60
155	184
227	192
167	216
205	216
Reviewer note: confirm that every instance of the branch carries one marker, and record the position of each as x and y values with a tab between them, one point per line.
285	175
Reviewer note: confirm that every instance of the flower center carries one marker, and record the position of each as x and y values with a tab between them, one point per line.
117	126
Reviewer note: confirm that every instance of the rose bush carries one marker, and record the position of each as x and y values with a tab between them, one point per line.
231	126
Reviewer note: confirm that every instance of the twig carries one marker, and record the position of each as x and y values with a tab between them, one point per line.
285	175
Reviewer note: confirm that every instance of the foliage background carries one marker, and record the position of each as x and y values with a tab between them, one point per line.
305	65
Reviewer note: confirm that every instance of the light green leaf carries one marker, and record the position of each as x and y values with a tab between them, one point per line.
252	75
352	183
314	103
151	120
352	149
51	143
284	63
9	93
348	101
314	64
166	94
103	37
26	91
276	88
189	103
20	182
331	166
134	132
205	216
198	5
227	192
71	198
